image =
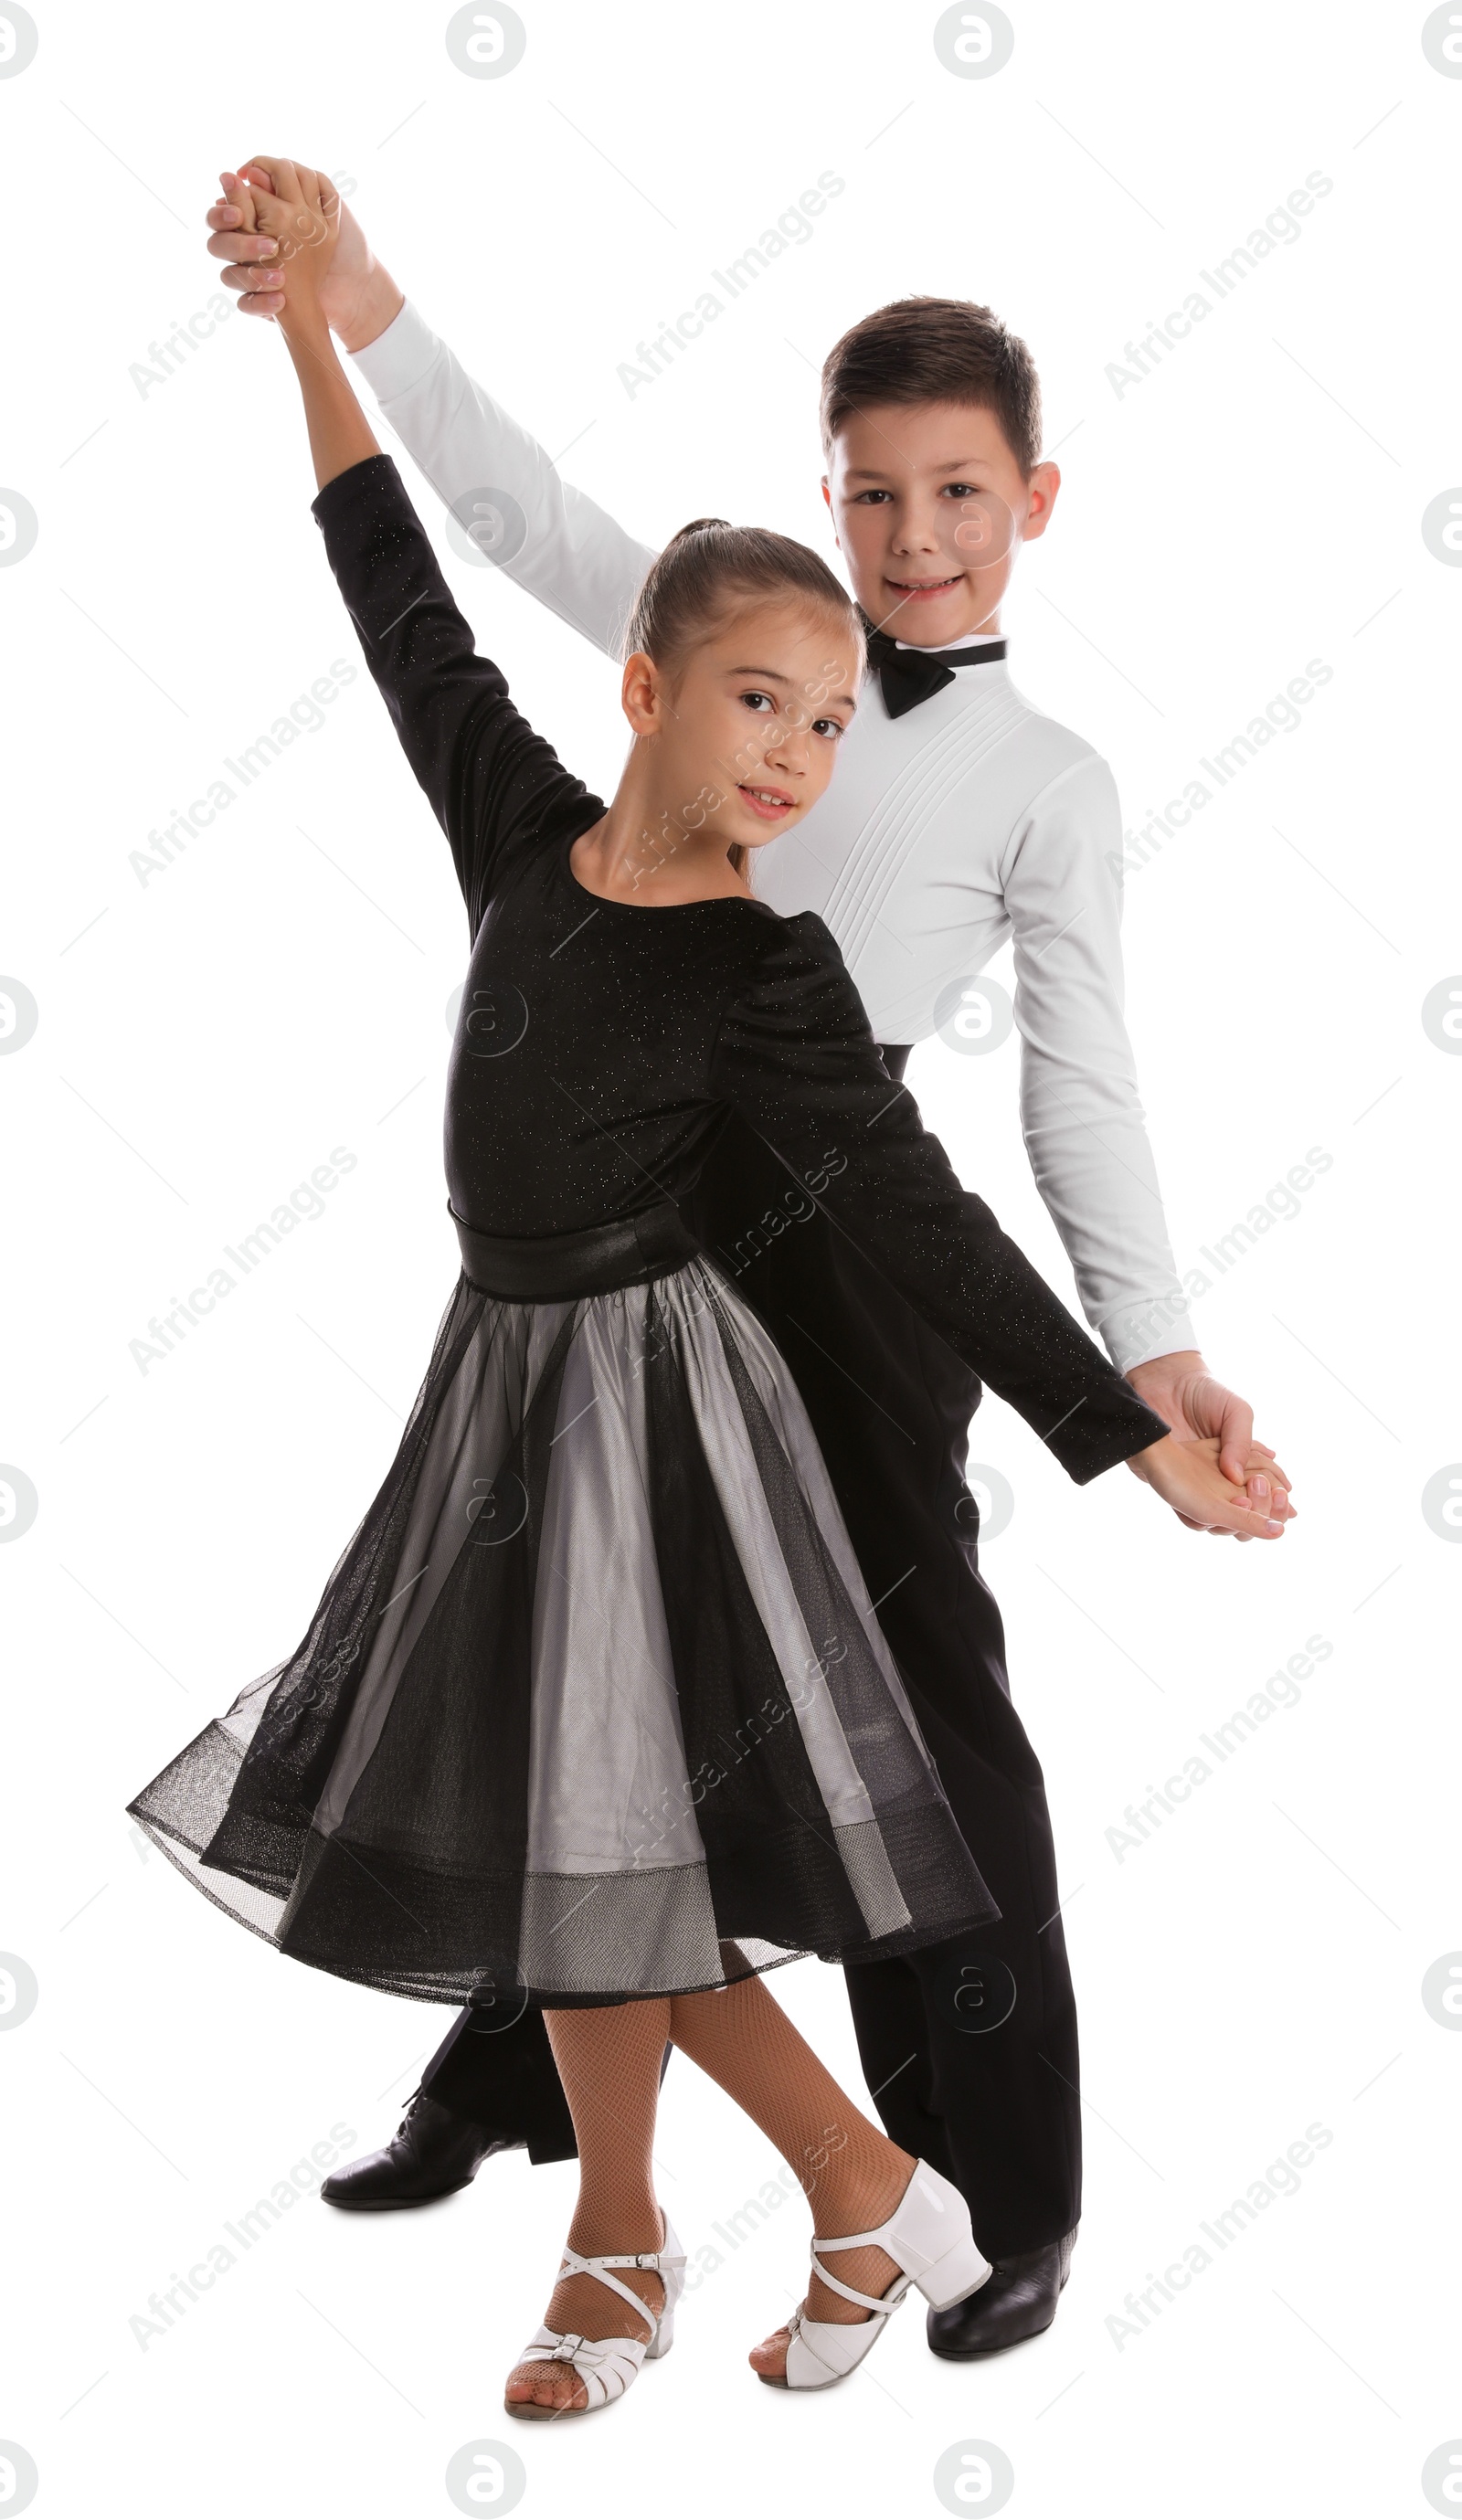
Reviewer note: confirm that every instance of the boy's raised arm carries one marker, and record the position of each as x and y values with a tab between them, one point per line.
504	490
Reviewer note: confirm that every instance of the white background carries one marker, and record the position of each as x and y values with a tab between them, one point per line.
206	1038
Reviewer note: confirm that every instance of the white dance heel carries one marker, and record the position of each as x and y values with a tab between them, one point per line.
929	2236
607	2364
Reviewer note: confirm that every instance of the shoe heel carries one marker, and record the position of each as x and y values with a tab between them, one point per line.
665	2338
954	2276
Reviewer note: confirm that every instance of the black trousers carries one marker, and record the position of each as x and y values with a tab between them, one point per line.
970	2049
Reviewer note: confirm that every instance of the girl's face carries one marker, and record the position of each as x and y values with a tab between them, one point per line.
746	727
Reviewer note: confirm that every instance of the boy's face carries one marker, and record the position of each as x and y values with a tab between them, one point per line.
930	504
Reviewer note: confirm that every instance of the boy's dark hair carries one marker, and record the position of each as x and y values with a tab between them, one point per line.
935	349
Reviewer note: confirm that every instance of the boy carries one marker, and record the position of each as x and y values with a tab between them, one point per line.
958	814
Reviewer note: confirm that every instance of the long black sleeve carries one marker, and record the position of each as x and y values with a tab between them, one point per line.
487	776
796	1057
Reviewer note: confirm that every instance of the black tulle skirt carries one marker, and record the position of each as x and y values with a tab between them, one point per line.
594	1705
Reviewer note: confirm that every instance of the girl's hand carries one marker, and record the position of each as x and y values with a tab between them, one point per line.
298	210
1185	1474
1180	1389
302	218
358	296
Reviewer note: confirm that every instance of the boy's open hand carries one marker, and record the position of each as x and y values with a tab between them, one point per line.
357	295
1185	1474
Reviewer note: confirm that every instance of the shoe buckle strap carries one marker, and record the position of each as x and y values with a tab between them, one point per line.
573	2263
878	2304
655	2260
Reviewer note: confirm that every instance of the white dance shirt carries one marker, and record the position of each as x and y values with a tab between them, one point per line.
970	818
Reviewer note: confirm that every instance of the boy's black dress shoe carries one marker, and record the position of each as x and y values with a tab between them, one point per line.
1018	2301
432	2153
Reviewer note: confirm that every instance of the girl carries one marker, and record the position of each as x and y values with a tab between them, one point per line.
595	1713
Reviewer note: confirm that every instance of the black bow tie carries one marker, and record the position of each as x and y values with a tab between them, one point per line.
909	675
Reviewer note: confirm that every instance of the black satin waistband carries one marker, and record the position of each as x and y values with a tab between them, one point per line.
555	1268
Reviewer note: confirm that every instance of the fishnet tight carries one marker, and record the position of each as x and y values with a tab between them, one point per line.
609	2062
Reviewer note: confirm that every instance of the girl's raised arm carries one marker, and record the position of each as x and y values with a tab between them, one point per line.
488	776
304	217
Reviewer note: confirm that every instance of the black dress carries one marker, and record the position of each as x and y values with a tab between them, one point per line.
595	1705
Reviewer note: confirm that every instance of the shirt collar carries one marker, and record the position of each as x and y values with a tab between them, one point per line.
972	638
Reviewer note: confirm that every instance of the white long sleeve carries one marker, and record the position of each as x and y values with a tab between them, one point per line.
969	820
1081	1114
575	557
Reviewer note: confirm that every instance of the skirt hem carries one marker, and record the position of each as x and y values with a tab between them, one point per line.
466	1985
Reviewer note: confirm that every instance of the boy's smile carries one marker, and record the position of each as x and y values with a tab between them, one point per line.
928	502
919	590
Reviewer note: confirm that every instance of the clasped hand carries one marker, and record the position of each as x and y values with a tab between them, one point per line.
285	229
